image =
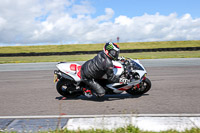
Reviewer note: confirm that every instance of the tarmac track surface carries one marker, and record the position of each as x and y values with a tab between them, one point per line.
175	90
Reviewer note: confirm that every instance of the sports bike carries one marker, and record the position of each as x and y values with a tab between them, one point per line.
69	84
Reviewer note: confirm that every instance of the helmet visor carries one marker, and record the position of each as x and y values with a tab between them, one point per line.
114	54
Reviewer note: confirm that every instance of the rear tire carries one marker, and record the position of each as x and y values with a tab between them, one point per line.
64	86
145	86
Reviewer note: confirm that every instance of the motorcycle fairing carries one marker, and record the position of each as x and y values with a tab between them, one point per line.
71	69
118	68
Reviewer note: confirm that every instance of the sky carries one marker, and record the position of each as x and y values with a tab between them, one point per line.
44	22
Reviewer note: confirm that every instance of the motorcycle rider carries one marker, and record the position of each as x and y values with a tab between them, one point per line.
98	67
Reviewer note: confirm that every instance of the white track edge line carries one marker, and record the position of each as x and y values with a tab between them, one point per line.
94	116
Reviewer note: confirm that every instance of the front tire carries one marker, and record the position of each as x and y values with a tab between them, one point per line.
64	88
145	86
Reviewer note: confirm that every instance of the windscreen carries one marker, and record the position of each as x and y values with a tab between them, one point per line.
135	65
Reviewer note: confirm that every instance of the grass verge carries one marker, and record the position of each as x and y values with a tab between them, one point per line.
95	47
66	58
128	129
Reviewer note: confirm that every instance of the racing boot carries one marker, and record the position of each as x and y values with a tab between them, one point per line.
87	92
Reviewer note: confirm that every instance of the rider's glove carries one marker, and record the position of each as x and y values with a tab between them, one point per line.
124	80
122	59
136	76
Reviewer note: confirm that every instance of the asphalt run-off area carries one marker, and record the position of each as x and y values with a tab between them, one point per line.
30	102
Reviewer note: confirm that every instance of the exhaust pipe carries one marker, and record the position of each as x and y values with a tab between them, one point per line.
63	75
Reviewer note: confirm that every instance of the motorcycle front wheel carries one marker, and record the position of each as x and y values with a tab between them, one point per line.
145	86
65	88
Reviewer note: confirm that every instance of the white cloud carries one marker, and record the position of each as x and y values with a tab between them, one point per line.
65	21
2	23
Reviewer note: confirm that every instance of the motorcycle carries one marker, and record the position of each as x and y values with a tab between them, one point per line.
69	84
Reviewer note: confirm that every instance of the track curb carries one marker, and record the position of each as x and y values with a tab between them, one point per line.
146	122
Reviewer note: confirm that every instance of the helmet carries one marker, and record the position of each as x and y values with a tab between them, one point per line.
111	50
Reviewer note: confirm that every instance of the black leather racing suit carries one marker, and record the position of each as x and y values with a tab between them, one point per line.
95	69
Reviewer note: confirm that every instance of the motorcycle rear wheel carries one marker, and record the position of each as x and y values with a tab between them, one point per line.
144	87
64	86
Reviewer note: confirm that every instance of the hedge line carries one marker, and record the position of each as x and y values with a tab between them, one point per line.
95	52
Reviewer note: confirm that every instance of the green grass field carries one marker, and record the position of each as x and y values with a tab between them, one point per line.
88	47
93	47
66	58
